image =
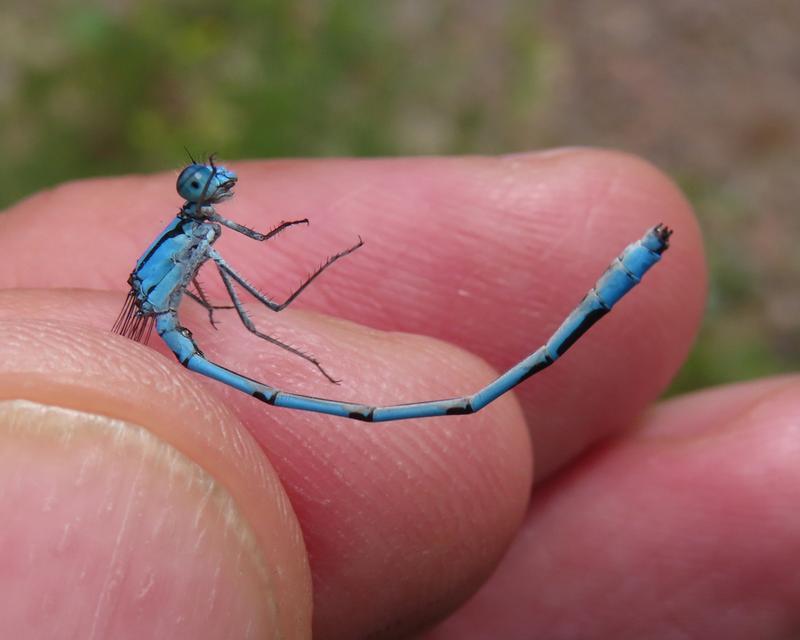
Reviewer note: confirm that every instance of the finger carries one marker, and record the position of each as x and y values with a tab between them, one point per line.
487	253
401	522
689	523
133	506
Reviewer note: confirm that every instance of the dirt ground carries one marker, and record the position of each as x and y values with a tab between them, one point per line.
710	92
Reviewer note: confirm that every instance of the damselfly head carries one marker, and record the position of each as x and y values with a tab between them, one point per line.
206	183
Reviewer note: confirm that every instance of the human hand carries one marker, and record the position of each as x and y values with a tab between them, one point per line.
182	521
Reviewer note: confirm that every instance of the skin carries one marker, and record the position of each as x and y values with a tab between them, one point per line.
142	499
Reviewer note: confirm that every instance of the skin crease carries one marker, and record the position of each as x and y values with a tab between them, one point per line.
403	521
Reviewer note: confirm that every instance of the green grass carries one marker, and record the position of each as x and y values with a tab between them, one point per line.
98	91
127	91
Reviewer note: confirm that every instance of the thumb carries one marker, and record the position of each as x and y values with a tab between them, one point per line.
133	507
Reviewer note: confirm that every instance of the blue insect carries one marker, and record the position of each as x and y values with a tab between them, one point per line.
168	269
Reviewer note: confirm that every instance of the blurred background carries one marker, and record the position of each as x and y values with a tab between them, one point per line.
708	91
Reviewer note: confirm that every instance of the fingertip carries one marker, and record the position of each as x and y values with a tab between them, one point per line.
586	205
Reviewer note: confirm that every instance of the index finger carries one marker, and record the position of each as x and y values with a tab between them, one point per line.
487	253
